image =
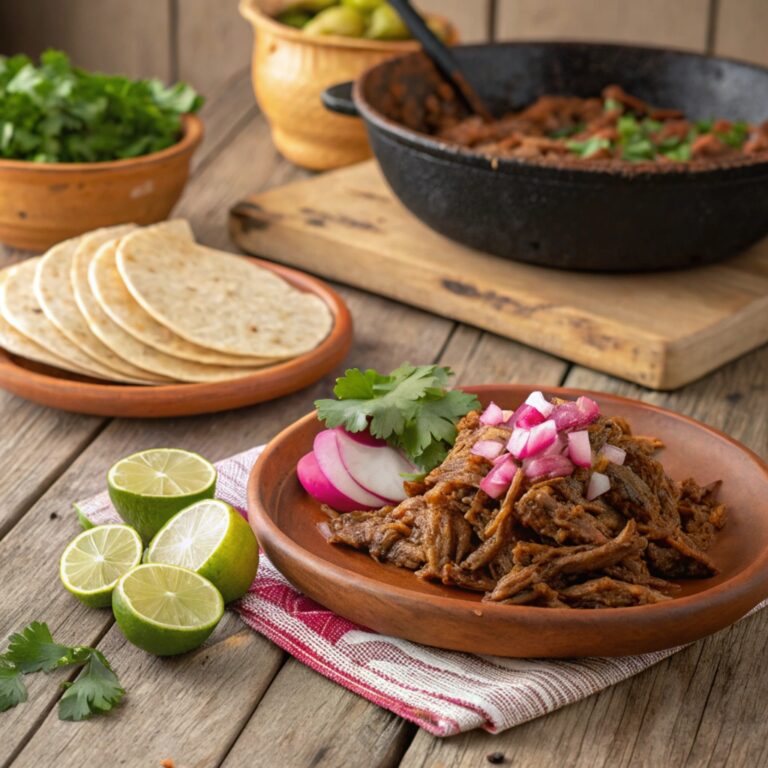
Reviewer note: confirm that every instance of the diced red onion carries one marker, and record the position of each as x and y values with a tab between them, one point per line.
506	416
492	416
575	414
500	459
497	481
518	441
488	449
559	446
548	465
613	453
540	403
579	448
528	416
540	438
598	485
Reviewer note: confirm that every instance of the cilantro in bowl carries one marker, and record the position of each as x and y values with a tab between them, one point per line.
57	113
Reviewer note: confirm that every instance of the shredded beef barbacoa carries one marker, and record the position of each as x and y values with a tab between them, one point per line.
544	543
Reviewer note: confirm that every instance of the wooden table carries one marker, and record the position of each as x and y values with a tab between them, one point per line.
240	701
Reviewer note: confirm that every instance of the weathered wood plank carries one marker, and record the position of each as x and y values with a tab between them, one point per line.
110	35
702	706
741	30
305	719
682	24
213	43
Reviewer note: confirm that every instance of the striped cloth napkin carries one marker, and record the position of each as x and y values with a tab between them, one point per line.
444	692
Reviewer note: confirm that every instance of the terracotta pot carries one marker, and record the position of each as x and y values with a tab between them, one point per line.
44	203
291	70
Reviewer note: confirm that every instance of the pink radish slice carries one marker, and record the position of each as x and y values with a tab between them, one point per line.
317	485
366	438
492	416
579	448
328	455
377	470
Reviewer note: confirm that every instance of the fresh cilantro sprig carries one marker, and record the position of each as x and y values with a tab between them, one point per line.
57	113
95	691
411	409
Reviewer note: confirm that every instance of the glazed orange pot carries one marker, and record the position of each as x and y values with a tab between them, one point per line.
290	71
44	203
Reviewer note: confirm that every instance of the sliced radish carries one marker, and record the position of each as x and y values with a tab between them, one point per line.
498	480
376	469
598	485
492	416
317	485
326	448
548	465
540	403
613	453
366	438
579	448
488	449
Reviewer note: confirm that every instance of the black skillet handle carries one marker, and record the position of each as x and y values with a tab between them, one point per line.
338	98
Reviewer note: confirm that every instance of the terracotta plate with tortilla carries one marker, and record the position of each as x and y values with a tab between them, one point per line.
58	389
393	601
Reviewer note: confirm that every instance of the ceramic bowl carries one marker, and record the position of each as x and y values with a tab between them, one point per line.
290	70
45	203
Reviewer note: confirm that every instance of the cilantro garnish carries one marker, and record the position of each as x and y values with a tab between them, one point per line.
96	691
410	408
57	113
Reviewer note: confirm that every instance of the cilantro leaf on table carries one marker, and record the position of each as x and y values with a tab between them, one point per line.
33	650
96	690
410	408
12	688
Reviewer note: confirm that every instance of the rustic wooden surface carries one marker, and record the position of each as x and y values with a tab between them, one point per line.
240	701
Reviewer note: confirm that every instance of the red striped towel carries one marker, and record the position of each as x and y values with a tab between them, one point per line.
444	692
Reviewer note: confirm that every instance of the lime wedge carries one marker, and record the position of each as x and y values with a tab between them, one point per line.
150	487
166	610
94	561
212	539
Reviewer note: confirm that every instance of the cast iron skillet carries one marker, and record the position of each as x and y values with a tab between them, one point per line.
619	219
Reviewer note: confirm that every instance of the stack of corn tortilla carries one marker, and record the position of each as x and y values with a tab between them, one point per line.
150	306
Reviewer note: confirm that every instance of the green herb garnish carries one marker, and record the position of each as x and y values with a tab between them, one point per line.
410	408
735	136
96	691
610	105
589	147
57	113
566	131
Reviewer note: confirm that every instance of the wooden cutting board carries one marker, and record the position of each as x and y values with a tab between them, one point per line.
661	330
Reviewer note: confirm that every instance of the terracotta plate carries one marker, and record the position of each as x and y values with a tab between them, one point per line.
393	601
58	389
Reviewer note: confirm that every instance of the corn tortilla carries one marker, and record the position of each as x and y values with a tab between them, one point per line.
220	300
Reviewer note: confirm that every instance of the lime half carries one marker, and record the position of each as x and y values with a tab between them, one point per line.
150	487
95	560
212	539
166	610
